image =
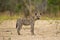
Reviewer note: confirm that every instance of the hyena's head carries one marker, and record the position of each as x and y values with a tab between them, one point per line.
37	15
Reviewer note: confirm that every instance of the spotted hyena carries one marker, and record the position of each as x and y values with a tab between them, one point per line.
27	21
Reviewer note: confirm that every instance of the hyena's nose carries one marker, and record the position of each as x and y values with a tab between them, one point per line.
38	18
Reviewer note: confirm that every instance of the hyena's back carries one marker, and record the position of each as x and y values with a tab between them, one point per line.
24	21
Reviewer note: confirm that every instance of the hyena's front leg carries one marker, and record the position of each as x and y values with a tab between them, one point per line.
19	27
32	28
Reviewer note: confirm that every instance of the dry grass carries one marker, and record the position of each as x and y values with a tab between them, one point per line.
44	30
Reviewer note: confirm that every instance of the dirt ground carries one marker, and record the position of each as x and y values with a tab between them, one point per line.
44	30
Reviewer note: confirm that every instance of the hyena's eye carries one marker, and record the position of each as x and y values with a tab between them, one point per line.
40	13
35	13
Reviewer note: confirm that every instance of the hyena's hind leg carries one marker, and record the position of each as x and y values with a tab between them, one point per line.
19	27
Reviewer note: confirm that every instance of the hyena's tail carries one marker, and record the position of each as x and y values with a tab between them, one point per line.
16	25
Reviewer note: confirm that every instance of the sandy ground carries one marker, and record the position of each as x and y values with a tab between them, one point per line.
44	30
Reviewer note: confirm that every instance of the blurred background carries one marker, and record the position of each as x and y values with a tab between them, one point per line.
12	9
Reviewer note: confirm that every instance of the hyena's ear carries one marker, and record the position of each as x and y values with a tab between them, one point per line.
40	13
